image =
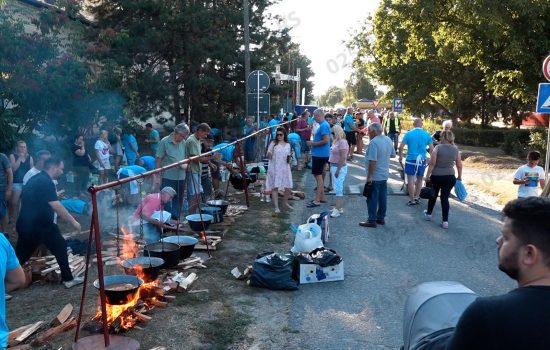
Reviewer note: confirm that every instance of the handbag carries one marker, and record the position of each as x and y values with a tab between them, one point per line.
367	190
427	192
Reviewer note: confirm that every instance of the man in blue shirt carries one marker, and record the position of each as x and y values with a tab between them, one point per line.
416	140
130	146
13	277
153	138
349	129
320	152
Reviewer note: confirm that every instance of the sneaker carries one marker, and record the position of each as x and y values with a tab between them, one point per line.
417	201
8	297
427	217
74	282
335	213
412	203
445	224
341	210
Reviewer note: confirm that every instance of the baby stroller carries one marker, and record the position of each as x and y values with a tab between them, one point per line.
431	313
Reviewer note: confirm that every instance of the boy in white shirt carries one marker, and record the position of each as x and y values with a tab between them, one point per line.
530	175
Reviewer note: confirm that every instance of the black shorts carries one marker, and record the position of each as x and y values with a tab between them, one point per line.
318	165
351	138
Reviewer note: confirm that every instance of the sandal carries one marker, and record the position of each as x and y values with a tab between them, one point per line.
312	205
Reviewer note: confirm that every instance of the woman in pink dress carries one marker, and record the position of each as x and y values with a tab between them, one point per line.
279	175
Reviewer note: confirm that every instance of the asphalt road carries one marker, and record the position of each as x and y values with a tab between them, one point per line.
382	264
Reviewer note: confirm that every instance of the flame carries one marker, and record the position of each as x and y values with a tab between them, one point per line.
146	293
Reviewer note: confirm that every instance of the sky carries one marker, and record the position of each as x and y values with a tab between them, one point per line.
321	27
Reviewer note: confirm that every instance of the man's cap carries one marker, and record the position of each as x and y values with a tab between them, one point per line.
169	190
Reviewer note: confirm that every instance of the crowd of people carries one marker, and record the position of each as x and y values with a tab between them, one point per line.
324	142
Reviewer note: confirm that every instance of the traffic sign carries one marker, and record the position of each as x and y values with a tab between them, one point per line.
258	81
546	68
398	104
543	98
258	105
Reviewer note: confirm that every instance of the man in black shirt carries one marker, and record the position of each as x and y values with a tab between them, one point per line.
36	223
518	319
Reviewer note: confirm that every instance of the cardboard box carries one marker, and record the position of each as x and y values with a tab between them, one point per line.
312	273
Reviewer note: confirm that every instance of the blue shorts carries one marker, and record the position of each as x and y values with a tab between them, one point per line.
414	169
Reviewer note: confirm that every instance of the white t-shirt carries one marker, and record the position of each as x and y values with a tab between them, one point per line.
534	174
103	150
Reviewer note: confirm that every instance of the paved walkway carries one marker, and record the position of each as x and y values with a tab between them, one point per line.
381	265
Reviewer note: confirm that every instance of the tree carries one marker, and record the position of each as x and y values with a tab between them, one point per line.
40	87
461	57
333	96
184	57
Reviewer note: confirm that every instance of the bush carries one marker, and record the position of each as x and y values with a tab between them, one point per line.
537	142
515	142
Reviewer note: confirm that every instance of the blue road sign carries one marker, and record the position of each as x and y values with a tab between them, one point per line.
543	98
398	104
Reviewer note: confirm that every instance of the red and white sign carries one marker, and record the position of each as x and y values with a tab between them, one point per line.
546	68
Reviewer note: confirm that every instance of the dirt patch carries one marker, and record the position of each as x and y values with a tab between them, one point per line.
231	315
486	157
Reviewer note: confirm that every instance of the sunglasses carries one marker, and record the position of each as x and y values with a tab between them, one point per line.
280	135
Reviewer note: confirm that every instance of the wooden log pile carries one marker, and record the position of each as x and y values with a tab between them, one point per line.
40	333
47	268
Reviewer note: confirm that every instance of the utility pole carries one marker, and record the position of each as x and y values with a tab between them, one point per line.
246	54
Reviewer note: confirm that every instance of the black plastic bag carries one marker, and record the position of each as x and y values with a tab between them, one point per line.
274	271
325	257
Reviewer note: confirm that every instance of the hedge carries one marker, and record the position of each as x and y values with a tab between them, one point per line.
491	137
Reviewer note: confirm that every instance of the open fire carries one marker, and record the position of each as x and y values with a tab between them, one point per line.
125	316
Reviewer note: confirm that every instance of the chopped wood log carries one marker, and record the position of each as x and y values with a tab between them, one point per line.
199	291
236	273
248	271
203	247
159	303
28	332
169	297
62	316
48	270
17	332
188	281
142	317
52	332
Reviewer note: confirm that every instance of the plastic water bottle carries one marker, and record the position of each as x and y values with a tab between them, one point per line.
262	193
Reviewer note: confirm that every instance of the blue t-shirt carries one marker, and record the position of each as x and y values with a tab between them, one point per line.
214	131
294	137
417	140
348	119
148	162
310	120
127	140
273	124
154	135
131	170
324	150
227	153
8	261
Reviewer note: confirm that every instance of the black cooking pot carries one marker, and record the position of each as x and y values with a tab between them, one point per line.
197	221
169	252
150	267
218	203
186	243
120	289
216	213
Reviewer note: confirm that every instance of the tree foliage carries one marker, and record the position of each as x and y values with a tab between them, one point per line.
332	96
460	57
185	58
42	84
